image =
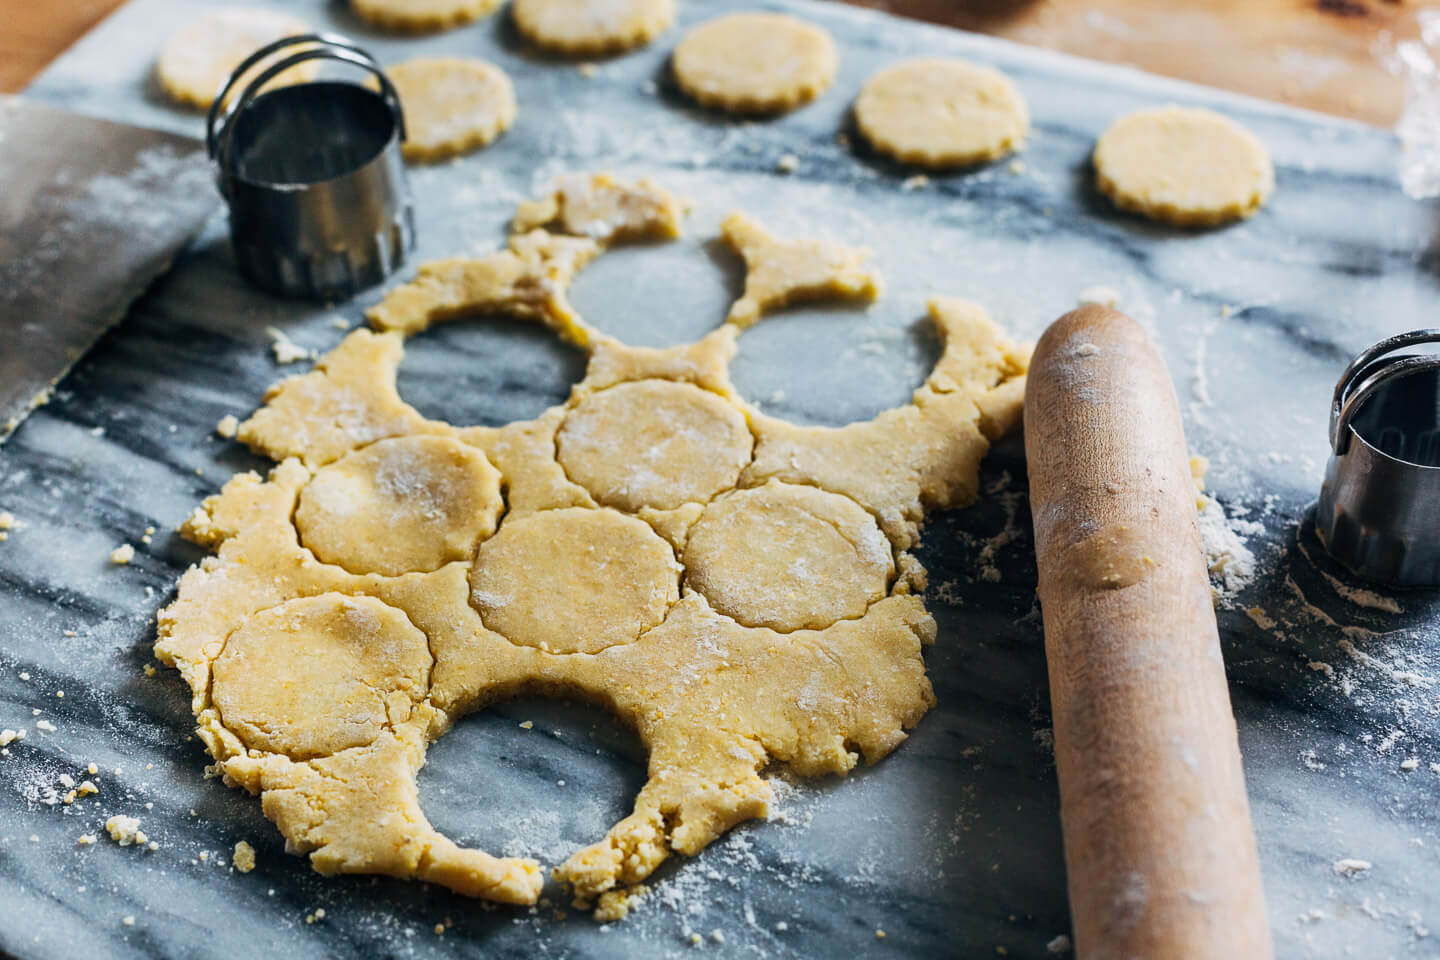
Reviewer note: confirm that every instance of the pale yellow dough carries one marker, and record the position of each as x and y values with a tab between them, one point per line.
755	63
788	557
400	505
422	16
1185	166
653	443
941	113
574	580
198	57
592	27
737	589
782	272
452	105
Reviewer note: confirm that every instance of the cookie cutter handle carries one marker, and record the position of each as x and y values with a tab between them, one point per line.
1370	371
220	120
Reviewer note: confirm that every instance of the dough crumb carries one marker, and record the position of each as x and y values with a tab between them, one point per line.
122	554
1016	167
1351	867
1104	296
128	920
125	830
1320	666
527	725
788	163
879	934
286	350
86	788
917	182
8	736
1060	944
243	857
7	520
1232	565
1410	763
86	839
228	426
717	935
45	726
617	904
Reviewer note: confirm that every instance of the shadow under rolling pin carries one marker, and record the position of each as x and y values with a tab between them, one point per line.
1159	851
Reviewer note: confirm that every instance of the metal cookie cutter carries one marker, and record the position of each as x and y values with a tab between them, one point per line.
1379	511
312	172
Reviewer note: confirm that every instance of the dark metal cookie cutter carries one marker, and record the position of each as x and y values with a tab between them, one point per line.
312	172
1379	510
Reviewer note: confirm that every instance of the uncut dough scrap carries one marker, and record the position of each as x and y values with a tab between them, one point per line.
755	63
198	57
421	16
942	113
592	27
452	105
1184	166
736	588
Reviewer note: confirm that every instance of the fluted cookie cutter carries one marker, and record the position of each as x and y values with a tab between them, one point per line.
312	172
1379	510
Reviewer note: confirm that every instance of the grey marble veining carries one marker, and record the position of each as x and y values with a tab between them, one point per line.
951	845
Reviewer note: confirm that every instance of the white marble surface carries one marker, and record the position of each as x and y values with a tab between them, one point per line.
952	844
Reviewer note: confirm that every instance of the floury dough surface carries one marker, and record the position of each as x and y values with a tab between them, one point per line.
422	16
592	27
940	113
755	63
1189	167
198	57
736	588
452	105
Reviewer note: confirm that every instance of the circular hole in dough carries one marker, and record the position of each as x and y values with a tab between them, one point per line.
198	57
654	443
320	674
755	63
576	580
941	113
421	16
1183	166
788	557
452	105
592	27
405	505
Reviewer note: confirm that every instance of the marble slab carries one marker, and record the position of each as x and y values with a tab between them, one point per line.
951	846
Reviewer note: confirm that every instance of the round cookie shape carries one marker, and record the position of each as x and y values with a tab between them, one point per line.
575	580
592	27
353	666
1184	166
755	63
421	16
941	113
452	105
788	557
198	57
654	443
403	505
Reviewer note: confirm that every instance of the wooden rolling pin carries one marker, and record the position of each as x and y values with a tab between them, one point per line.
1159	850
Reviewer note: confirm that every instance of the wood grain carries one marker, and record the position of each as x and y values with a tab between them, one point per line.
1318	54
1159	851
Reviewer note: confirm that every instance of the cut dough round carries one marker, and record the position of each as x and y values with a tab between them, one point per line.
1184	166
405	505
574	581
942	113
452	105
422	16
788	557
352	667
654	443
198	57
592	27
755	63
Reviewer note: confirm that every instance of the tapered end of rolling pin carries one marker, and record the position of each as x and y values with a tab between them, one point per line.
1159	851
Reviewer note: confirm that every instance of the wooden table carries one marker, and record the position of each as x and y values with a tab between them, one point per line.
1320	54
